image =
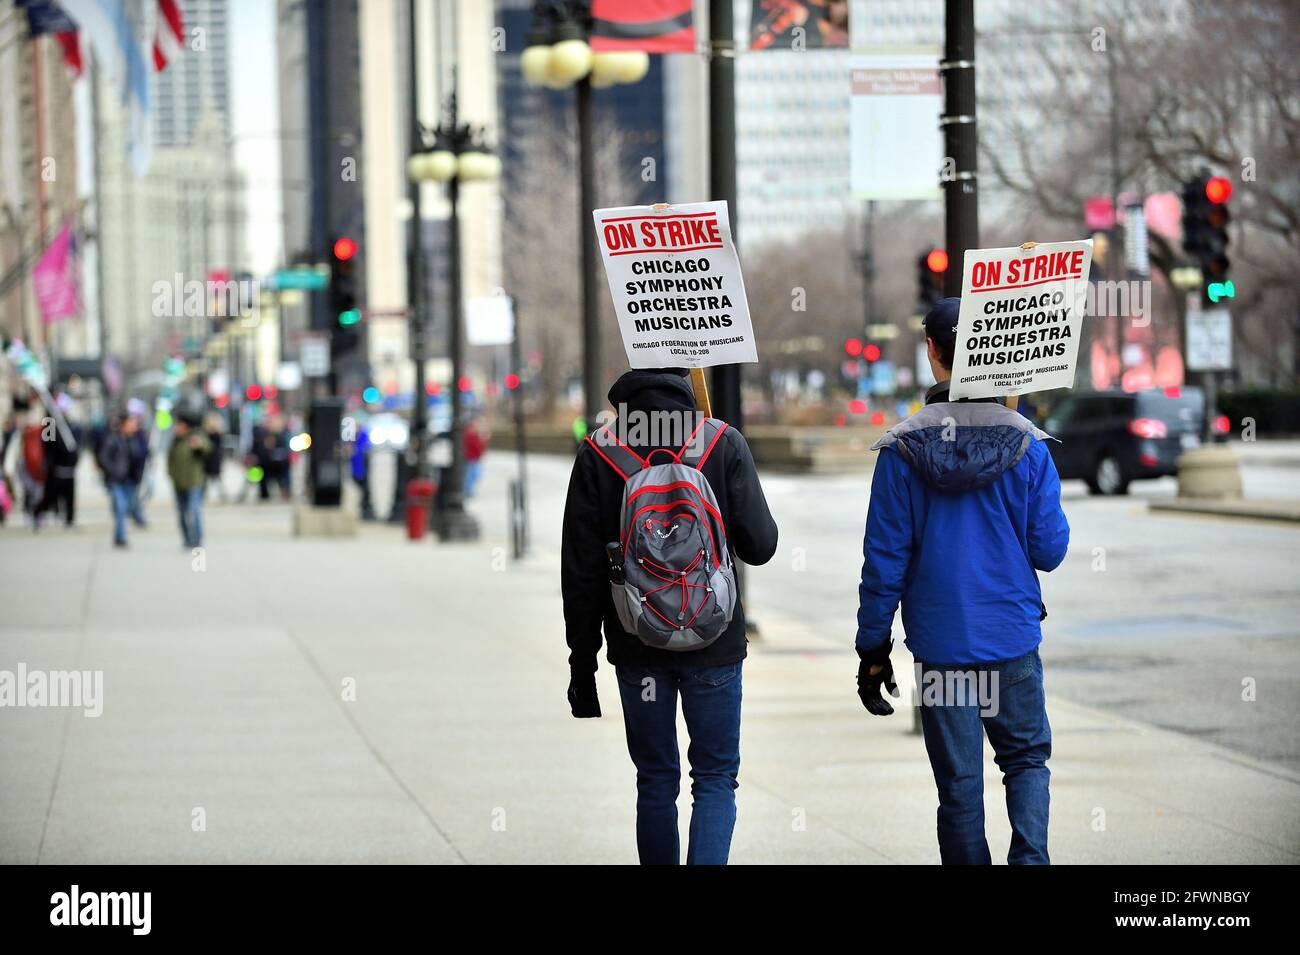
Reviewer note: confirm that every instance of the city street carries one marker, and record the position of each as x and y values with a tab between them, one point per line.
326	700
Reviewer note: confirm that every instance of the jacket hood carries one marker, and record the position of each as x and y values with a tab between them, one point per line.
960	446
652	391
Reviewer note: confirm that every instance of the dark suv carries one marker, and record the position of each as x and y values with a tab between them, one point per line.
1109	438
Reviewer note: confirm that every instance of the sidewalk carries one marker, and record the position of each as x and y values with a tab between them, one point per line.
1269	452
224	690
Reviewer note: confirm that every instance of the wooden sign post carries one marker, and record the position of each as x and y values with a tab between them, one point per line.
700	385
1014	400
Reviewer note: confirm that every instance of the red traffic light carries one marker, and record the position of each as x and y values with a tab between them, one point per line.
512	381
344	249
853	347
871	353
937	260
1218	190
253	393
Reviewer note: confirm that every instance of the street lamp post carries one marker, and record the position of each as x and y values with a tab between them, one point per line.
416	294
454	153
558	55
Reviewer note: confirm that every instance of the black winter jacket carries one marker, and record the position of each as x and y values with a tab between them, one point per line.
591	522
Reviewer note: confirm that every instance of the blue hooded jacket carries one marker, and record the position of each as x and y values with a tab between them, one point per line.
965	509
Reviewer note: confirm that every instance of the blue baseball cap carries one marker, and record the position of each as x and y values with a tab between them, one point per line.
941	321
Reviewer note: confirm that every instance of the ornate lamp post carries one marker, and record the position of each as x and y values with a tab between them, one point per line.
453	153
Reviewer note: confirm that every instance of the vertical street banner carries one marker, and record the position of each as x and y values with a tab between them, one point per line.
895	144
1020	318
675	279
651	26
799	25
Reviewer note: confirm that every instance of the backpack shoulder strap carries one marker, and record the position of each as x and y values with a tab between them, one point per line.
701	443
615	453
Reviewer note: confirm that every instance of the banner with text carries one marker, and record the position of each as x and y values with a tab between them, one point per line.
1020	318
895	142
675	279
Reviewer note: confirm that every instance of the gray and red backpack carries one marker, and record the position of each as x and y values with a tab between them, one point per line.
670	572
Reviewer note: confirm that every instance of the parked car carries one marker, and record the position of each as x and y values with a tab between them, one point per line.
1110	438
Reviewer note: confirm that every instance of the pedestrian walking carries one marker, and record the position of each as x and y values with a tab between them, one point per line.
271	452
965	511
687	531
33	466
360	462
115	457
185	466
215	430
139	478
8	466
475	448
62	454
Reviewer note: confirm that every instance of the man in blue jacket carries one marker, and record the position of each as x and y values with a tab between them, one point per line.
965	510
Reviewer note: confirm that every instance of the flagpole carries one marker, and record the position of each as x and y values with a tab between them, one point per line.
97	173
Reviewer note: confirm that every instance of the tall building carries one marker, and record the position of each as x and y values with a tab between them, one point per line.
38	185
183	222
197	81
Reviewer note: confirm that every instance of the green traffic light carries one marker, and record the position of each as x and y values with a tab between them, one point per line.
1218	290
350	317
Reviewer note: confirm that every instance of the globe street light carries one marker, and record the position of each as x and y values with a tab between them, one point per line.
557	55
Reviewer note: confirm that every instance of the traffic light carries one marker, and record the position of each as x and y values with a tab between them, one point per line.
930	268
344	308
1205	231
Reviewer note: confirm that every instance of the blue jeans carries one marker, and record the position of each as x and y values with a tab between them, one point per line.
473	474
137	506
189	510
1022	742
122	496
711	705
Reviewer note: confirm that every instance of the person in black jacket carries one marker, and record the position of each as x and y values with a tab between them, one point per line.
115	460
650	679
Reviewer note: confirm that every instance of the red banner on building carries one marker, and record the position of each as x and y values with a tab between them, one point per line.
654	26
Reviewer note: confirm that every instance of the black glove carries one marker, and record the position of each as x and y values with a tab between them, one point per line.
582	694
869	685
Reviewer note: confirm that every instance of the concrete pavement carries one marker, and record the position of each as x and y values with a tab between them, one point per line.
374	700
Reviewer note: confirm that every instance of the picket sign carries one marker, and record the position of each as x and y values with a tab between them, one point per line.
679	296
1020	319
1013	401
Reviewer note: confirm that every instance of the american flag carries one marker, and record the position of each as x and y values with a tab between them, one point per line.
169	36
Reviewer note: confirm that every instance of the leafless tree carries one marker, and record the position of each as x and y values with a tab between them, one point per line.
1195	85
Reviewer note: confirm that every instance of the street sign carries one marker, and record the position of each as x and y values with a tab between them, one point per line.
490	320
288	376
314	355
675	279
1021	312
311	279
1209	340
